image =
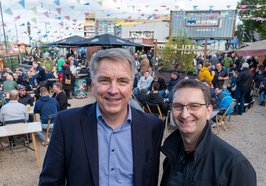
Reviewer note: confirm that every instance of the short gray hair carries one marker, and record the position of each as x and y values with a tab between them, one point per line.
115	54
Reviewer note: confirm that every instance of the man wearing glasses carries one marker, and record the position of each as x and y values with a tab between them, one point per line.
194	155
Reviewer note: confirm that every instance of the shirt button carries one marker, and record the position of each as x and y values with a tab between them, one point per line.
112	169
113	150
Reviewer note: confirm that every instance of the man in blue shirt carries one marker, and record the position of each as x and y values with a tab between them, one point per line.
107	142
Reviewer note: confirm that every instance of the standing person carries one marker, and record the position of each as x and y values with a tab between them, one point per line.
194	155
40	74
67	77
243	86
107	142
60	62
60	96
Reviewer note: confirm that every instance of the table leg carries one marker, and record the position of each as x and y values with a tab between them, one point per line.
35	150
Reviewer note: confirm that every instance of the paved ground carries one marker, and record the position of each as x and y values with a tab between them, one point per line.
247	133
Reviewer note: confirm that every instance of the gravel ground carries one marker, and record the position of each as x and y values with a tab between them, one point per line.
247	133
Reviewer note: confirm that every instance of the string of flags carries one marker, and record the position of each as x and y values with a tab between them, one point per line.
68	22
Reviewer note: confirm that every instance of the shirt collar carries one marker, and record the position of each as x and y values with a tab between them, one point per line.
99	115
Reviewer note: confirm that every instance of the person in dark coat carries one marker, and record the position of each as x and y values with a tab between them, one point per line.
67	75
60	96
154	98
243	81
162	84
193	154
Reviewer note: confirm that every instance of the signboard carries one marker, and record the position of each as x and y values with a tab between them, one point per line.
203	19
196	24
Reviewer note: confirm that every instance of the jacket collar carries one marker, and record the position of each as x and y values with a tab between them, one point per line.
171	144
89	126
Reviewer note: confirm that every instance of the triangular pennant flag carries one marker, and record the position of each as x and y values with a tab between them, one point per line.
228	6
195	7
210	7
58	10
72	7
46	14
61	23
34	9
57	2
22	3
67	17
9	11
100	3
17	18
34	20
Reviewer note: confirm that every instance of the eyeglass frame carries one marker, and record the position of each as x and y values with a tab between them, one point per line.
188	107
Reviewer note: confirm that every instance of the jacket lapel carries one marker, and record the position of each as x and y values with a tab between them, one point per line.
89	126
138	134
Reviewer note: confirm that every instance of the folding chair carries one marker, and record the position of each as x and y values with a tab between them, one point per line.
224	120
51	118
156	110
143	107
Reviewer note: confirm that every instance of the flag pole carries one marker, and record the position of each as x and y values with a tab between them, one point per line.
4	32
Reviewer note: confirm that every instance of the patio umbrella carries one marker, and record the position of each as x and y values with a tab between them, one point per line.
106	40
256	49
69	41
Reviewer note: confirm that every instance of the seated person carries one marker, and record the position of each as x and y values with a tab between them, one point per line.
13	112
60	96
24	98
154	98
45	106
161	82
143	83
9	84
223	100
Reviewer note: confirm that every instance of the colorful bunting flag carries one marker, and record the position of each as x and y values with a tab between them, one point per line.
9	11
22	3
17	18
100	3
46	13
34	20
67	17
58	10
57	2
34	9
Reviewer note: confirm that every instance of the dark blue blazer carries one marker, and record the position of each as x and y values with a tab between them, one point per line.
72	155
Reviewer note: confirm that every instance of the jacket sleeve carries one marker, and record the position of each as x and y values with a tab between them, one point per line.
209	76
242	174
53	171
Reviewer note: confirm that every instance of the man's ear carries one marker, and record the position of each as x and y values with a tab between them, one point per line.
209	111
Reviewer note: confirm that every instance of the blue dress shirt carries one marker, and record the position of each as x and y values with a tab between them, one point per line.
115	152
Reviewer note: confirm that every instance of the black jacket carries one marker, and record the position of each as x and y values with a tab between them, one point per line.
244	80
72	155
215	162
61	98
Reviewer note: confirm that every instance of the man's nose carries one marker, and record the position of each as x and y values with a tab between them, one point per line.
113	88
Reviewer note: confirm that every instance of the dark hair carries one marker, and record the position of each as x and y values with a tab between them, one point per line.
192	83
155	86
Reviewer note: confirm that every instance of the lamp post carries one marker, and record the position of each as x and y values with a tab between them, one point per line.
29	32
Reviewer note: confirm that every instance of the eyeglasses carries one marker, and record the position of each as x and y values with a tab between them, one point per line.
191	107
